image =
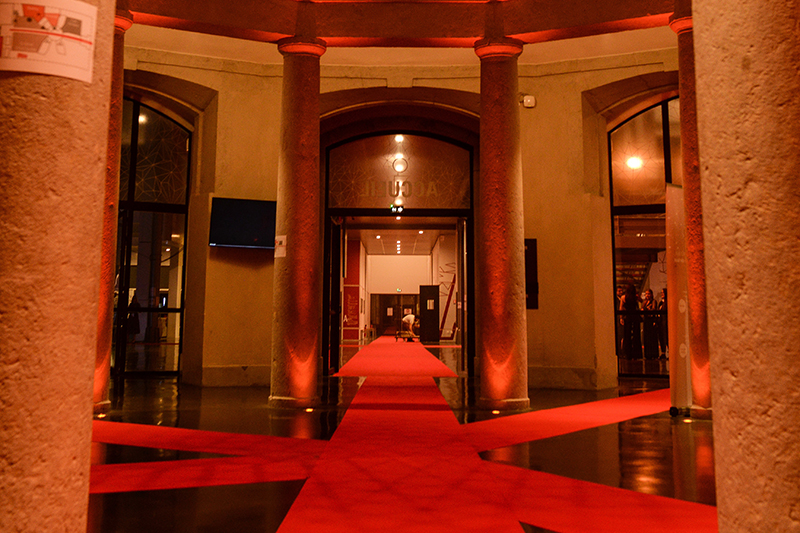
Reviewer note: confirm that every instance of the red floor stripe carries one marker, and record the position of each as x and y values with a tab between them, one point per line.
399	465
386	357
568	505
194	440
192	473
526	427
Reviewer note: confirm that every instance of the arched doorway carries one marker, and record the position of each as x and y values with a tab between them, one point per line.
398	167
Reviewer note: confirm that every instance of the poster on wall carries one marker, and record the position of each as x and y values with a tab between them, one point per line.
55	38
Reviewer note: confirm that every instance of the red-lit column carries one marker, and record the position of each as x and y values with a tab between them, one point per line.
297	303
681	23
54	134
105	311
747	54
501	333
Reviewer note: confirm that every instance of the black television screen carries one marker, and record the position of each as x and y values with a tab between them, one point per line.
242	223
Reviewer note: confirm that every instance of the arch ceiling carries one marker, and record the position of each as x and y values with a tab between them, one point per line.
409	23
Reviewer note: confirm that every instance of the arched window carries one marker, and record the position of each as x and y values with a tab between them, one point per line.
644	157
153	206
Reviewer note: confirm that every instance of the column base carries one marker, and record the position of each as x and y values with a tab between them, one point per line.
510	404
700	413
286	402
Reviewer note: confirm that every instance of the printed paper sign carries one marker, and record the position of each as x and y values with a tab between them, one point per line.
280	246
55	38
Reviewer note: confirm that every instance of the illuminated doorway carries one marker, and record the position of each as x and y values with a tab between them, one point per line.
397	204
644	157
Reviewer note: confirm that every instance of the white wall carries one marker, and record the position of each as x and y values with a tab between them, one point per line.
387	273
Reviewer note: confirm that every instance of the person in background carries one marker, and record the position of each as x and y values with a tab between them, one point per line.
408	325
663	337
651	325
631	324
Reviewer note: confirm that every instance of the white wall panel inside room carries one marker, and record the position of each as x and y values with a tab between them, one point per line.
387	273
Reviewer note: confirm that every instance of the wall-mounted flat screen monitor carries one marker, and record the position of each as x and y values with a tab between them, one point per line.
237	223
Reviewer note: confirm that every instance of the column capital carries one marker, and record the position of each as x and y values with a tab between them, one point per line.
681	24
123	20
294	45
498	48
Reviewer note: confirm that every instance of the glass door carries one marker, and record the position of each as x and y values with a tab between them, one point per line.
154	174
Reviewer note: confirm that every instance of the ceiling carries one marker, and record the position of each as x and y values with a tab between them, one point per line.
267	53
416	235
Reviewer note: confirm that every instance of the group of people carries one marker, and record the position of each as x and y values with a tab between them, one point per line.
642	325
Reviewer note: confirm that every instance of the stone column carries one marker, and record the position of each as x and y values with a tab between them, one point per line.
501	332
297	304
52	177
108	260
681	23
747	54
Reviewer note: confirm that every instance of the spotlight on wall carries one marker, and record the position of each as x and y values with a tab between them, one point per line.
399	164
635	163
398	138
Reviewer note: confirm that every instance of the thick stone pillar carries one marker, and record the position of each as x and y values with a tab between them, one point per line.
297	303
52	177
108	260
501	332
681	23
747	55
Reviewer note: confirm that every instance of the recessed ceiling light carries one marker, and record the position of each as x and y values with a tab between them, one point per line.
398	138
420	232
398	218
634	163
377	236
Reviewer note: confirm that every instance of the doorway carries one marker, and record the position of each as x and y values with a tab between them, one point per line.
377	268
153	208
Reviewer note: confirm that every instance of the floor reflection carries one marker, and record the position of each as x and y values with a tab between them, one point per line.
657	455
255	507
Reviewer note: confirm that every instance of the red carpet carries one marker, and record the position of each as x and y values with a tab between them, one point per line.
526	427
400	462
571	506
387	357
400	468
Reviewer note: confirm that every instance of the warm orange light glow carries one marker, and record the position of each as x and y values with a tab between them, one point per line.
635	163
398	138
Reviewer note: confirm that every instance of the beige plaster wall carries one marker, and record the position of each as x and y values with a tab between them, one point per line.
237	294
570	336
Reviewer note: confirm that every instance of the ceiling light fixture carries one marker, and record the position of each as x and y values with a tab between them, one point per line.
398	138
635	163
399	164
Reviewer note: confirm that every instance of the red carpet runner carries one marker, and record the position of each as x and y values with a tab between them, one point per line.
400	462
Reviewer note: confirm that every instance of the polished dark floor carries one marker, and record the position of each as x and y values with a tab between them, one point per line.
658	454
